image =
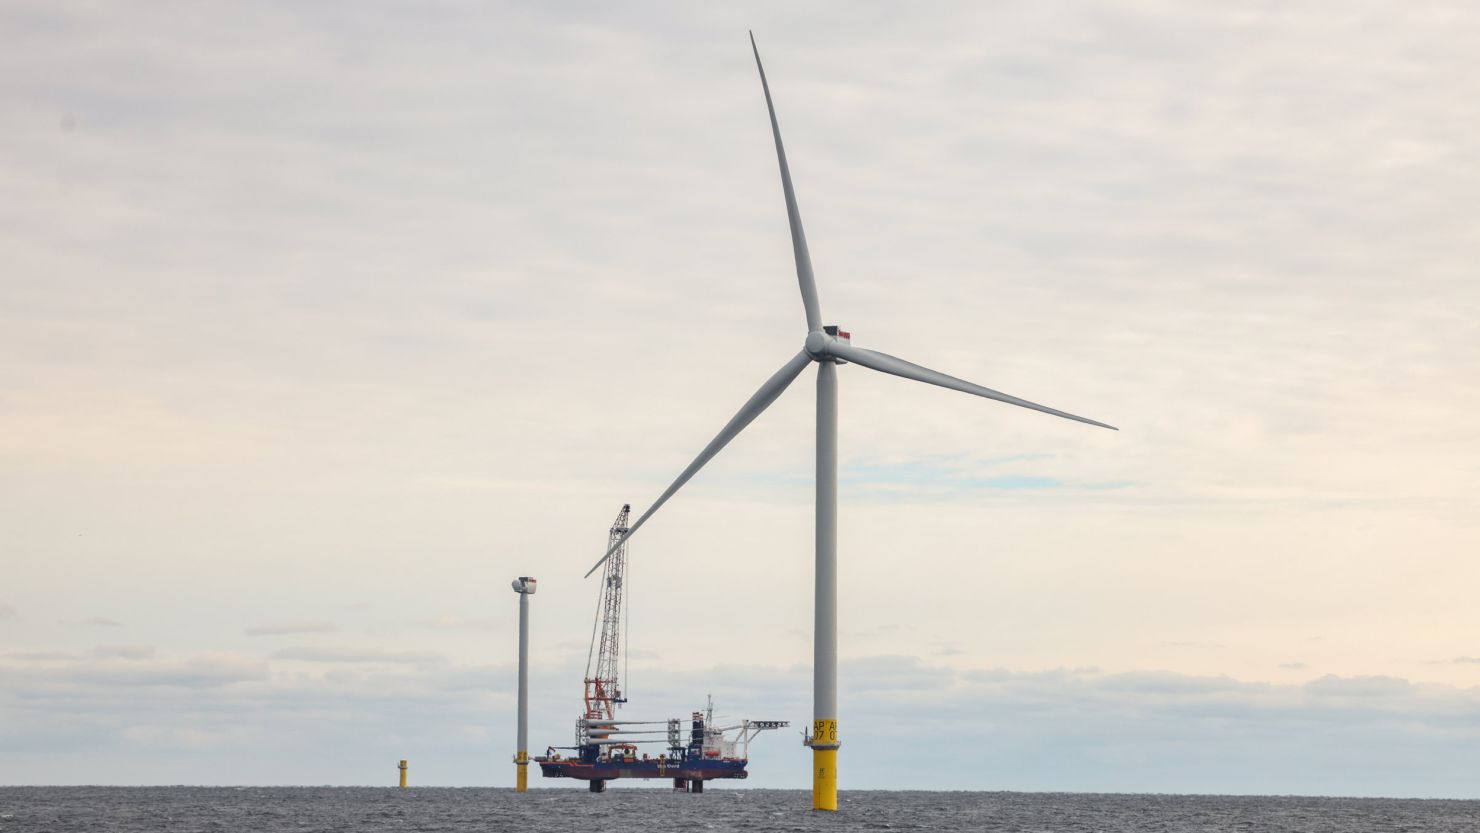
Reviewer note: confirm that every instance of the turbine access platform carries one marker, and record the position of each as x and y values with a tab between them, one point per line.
606	748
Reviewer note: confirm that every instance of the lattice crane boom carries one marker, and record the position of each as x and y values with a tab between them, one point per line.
603	661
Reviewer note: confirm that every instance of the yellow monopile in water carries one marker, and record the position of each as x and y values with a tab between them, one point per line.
521	781
403	775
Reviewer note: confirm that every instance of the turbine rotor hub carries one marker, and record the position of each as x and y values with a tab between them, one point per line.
819	341
816	345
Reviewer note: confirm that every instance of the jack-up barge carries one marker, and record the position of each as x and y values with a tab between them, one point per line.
606	747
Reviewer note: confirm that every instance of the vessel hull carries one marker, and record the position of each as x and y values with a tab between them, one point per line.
607	770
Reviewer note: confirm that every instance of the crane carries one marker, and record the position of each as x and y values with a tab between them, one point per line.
603	660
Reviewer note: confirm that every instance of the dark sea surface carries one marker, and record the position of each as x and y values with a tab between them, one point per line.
644	810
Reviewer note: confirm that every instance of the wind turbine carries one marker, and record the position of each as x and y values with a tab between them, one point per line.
828	347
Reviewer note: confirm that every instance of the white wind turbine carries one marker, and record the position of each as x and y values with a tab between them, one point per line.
828	347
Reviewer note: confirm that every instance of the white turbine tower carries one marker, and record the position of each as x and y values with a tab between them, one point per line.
525	587
828	347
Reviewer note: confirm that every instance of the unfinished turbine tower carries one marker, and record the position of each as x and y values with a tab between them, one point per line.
828	346
525	587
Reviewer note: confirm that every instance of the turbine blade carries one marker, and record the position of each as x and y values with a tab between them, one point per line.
747	414
793	215
886	363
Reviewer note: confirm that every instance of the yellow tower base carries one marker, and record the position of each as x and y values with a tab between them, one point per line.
825	765
521	764
403	775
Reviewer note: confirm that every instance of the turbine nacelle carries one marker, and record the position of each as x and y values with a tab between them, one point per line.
819	344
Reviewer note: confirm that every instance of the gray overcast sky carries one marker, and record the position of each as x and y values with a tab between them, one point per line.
320	322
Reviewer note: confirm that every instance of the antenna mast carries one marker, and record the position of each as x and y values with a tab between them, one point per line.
603	684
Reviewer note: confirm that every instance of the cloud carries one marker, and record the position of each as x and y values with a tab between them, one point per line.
92	622
100	622
1077	729
41	656
1294	666
879	674
160	737
289	628
123	652
1149	682
7	611
1360	687
953	477
1467	660
101	674
451	622
359	655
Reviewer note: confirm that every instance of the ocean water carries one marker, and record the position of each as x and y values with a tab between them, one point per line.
161	809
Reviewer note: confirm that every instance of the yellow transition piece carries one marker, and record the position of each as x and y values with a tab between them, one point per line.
825	765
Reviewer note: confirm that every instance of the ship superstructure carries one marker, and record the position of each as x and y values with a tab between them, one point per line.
692	751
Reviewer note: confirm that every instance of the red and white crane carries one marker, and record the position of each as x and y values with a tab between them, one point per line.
603	661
